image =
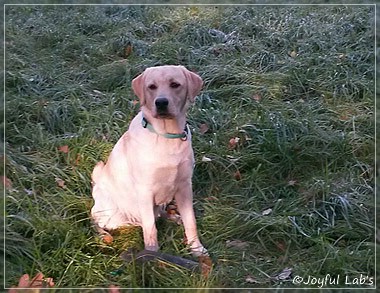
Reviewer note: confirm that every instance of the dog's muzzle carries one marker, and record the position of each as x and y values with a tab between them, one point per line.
162	105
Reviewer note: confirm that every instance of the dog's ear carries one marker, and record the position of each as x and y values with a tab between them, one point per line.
194	84
138	87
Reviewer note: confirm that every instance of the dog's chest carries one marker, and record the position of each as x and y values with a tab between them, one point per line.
160	170
168	178
165	173
165	185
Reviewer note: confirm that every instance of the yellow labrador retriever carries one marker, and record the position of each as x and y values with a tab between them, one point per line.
152	163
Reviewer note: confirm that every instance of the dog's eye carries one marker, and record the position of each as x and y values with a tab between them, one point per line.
152	87
174	85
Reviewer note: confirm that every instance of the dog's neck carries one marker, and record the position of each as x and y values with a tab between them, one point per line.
162	125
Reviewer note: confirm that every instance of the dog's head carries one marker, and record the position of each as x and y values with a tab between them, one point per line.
166	91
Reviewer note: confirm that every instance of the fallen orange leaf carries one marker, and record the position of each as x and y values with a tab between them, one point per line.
233	143
205	263
22	283
39	281
107	239
64	149
7	183
60	182
127	51
76	163
113	289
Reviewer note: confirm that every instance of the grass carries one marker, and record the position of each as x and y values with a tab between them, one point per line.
293	87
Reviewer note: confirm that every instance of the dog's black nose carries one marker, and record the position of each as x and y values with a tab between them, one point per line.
161	103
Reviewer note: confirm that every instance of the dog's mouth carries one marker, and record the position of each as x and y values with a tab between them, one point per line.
163	115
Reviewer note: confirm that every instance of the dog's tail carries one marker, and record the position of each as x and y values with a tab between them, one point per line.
97	171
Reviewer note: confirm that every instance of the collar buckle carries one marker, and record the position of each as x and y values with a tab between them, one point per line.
184	136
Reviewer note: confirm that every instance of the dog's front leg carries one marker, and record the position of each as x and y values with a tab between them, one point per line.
184	200
148	225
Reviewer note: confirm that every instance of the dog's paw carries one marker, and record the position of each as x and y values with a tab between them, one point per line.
152	247
199	251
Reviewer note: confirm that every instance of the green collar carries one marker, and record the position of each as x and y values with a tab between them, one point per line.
182	136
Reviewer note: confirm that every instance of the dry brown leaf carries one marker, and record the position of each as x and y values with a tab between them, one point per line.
162	264
292	182
343	117
64	149
251	279
39	281
203	128
256	97
7	183
205	263
233	143
238	244
77	160
237	175
60	182
285	274
211	198
281	246
113	289
127	51
22	283
107	239
43	103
